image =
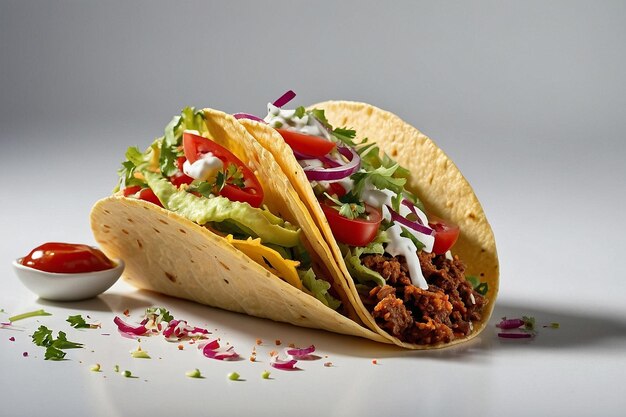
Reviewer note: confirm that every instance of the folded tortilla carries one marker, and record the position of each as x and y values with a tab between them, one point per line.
434	179
165	252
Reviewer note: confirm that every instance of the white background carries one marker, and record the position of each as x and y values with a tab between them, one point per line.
527	98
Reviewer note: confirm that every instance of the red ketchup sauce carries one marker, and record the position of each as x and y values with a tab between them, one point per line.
67	258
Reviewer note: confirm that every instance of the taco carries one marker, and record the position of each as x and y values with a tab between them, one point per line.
404	226
206	214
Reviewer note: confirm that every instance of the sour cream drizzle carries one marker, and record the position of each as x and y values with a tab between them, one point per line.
397	245
205	167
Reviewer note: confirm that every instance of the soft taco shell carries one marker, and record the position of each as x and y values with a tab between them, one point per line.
435	179
167	253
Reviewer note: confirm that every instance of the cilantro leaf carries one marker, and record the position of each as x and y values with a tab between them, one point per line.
407	234
160	314
54	354
42	336
78	322
300	112
167	159
62	343
205	188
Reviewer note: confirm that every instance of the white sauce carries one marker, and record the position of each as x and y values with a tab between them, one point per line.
449	256
207	166
286	119
402	246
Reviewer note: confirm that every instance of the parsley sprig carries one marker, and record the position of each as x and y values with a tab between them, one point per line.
54	347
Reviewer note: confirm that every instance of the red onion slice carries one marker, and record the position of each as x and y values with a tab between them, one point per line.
284	99
336	173
126	328
396	217
248	116
210	350
300	351
510	324
282	364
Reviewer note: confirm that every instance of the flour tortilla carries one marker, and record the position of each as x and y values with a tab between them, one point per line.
434	178
167	253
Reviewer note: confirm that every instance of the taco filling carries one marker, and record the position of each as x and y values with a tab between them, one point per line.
187	172
399	257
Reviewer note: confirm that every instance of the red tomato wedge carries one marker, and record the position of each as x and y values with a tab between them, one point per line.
306	144
148	195
353	232
446	234
131	190
252	193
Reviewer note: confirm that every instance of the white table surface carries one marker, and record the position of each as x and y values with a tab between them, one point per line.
550	270
527	98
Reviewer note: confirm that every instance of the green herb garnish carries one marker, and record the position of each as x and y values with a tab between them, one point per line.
43	337
78	322
28	315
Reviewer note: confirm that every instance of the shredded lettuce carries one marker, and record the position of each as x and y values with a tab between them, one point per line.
352	257
318	288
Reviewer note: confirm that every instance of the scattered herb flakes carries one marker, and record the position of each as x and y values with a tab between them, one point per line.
553	325
28	315
128	374
233	376
78	322
265	375
194	374
116	368
95	368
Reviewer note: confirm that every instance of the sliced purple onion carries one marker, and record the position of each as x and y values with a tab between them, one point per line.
396	217
210	350
411	206
127	328
284	99
300	351
282	364
336	173
248	116
510	324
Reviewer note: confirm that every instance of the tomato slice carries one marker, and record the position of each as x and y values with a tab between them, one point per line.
306	144
252	193
353	232
446	234
337	189
131	190
148	195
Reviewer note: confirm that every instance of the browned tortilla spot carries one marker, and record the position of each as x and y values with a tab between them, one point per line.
170	277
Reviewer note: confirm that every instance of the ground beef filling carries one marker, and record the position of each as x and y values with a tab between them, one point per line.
440	314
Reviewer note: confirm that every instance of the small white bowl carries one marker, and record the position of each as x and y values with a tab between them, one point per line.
67	287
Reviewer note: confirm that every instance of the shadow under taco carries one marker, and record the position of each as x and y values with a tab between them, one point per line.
409	237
